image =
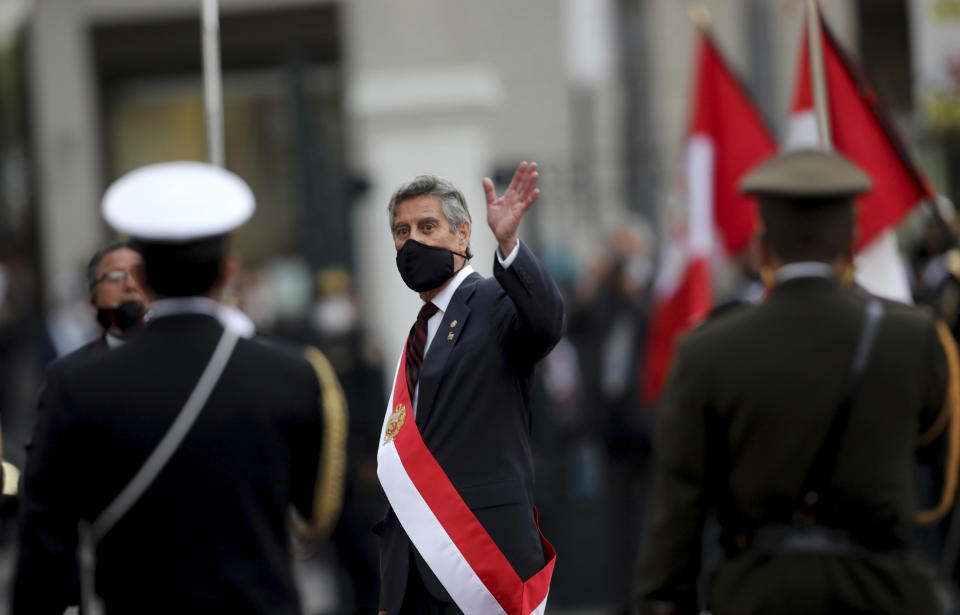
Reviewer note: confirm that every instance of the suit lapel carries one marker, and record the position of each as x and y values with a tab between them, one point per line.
447	336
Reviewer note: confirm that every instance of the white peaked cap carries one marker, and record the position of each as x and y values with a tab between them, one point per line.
177	202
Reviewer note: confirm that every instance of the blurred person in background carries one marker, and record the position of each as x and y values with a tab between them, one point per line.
797	423
173	461
24	351
114	276
16	361
608	325
115	279
935	263
335	321
936	266
569	457
332	325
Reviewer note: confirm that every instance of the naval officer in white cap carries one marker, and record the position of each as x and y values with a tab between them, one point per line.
172	461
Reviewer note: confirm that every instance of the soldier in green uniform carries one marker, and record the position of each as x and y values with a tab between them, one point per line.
796	423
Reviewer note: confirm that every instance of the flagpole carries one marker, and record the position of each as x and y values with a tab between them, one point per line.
817	77
212	82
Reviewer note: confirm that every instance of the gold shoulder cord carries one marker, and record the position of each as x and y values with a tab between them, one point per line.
950	415
328	493
9	474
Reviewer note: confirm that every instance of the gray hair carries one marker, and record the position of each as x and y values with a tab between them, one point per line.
95	260
451	199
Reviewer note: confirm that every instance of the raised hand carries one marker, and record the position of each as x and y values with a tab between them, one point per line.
505	212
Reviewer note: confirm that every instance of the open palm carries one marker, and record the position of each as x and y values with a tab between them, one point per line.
505	212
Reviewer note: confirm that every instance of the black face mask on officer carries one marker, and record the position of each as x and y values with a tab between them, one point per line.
424	267
122	317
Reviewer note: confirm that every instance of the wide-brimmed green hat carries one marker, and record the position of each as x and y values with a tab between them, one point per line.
806	174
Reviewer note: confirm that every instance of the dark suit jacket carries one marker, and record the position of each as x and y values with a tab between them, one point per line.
473	412
209	535
78	356
88	350
749	399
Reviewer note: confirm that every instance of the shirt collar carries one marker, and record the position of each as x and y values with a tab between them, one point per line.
229	317
442	300
803	269
113	341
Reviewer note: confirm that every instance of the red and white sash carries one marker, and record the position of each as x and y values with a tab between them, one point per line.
444	530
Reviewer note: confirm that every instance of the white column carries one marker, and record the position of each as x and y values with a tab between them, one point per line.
409	122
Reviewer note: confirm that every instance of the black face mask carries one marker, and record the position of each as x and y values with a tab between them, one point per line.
424	267
124	316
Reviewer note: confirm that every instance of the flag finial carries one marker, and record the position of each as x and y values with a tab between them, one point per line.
699	14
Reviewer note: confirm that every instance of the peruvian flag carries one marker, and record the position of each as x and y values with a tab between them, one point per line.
727	137
862	131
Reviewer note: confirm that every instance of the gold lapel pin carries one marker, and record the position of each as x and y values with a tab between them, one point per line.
450	336
453	324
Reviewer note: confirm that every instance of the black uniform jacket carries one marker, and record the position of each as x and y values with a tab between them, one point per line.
749	399
70	360
473	412
209	535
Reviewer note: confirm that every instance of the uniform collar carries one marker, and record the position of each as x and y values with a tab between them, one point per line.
803	269
801	286
230	317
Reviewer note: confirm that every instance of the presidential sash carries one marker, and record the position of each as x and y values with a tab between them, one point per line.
444	530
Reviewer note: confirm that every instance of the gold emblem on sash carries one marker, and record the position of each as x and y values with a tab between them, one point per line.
394	423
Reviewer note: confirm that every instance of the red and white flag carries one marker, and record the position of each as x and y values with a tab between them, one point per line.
727	137
862	131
